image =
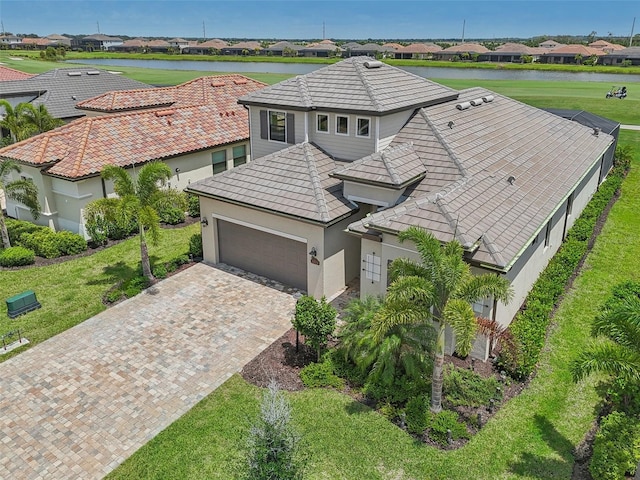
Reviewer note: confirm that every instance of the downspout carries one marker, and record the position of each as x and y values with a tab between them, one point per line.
104	188
250	136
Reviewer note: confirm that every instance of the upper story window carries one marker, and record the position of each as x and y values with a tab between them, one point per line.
322	123
547	235
277	126
363	126
239	155
219	161
342	125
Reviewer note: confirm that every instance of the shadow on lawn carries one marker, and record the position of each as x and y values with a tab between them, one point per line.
118	272
534	466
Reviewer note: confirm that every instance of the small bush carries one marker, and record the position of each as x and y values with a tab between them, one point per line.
160	271
134	286
195	245
317	375
389	411
616	450
444	421
16	257
417	414
15	229
42	242
193	205
113	296
70	243
464	387
172	216
398	392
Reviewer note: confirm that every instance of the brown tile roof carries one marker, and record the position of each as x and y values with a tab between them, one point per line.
466	47
83	147
214	43
41	42
395	167
575	50
8	74
420	48
350	86
546	155
219	90
606	46
293	182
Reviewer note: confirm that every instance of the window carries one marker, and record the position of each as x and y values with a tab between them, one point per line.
372	267
363	127
569	205
239	155
277	126
322	123
547	235
342	125
219	161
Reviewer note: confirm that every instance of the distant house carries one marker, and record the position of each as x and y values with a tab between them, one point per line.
629	54
206	48
197	129
53	40
368	49
325	48
418	51
132	45
282	49
10	41
512	52
570	54
242	48
96	42
605	46
460	51
62	88
340	167
550	44
179	43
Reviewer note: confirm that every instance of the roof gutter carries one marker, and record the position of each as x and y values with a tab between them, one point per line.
550	216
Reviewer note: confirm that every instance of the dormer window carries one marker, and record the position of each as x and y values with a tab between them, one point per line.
342	125
322	123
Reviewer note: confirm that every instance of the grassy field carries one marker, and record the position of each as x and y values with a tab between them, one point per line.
532	436
70	292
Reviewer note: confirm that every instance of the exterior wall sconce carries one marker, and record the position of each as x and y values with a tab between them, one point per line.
204	222
313	252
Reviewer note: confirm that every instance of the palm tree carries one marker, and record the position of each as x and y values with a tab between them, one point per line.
621	356
23	191
439	288
12	121
38	119
138	202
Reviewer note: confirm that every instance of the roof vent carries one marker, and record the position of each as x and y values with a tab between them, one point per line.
373	64
93	72
596	131
463	105
74	74
164	113
511	180
240	82
450	124
477	101
217	84
488	98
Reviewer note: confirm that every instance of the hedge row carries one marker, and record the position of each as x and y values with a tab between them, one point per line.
522	346
43	241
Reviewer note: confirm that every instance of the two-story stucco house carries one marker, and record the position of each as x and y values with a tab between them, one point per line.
347	156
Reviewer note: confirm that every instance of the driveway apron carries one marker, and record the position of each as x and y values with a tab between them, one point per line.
79	404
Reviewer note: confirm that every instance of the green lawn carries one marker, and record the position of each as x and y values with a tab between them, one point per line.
531	437
70	292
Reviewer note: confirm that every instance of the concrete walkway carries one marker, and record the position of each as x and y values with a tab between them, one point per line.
77	405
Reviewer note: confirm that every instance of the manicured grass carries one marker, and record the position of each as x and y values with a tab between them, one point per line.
532	436
70	292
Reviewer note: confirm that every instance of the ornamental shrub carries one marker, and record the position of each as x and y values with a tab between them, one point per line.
15	229
464	387
316	375
193	205
16	257
160	271
442	422
195	245
171	215
316	320
42	242
417	414
70	243
616	449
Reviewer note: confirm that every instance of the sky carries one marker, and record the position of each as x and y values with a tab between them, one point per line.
303	19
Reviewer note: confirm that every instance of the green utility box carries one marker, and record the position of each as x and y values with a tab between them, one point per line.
22	303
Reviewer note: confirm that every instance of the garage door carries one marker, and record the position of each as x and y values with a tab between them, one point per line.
269	255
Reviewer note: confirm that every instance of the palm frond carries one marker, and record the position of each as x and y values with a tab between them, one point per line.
25	192
411	289
621	323
607	358
408	268
428	246
123	184
477	287
6	167
151	176
459	315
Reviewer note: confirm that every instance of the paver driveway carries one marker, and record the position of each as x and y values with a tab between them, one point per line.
80	403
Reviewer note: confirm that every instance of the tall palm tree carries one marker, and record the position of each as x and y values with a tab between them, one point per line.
23	191
12	121
138	201
440	287
621	356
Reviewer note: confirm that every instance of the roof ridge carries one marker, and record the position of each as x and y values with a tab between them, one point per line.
446	146
454	224
303	88
85	140
490	244
318	192
365	82
387	162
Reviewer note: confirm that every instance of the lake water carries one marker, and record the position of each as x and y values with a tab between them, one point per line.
302	68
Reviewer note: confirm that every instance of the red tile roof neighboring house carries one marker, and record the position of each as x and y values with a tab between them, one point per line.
420	48
575	50
8	74
606	46
84	147
466	47
221	91
40	42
